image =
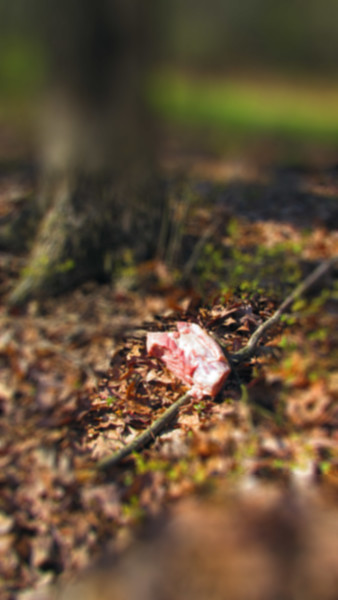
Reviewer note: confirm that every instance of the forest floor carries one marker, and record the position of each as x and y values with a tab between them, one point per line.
76	382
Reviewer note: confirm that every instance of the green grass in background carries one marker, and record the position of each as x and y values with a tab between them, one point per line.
296	111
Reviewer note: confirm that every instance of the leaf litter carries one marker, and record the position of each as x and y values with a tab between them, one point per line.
77	384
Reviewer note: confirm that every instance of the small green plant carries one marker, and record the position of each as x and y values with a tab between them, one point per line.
132	510
199	407
199	475
128	479
248	269
110	400
278	463
320	335
143	466
325	467
287	344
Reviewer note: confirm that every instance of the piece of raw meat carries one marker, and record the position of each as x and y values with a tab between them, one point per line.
193	356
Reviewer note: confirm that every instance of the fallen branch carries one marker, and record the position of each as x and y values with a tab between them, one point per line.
236	358
147	436
249	350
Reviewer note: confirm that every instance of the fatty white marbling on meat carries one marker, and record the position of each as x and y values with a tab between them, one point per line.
193	356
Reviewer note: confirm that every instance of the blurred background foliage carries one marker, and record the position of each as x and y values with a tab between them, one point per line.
257	66
298	37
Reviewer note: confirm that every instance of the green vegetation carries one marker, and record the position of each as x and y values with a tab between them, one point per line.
250	270
110	400
301	112
22	67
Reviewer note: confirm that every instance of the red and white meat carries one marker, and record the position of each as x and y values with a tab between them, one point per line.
193	356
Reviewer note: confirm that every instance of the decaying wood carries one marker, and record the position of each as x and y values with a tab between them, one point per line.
236	358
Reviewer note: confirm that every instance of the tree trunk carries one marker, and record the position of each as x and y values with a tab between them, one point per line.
86	231
99	191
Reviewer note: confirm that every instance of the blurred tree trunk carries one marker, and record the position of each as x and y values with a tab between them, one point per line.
99	191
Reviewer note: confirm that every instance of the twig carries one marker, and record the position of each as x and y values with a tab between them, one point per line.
249	350
242	355
146	436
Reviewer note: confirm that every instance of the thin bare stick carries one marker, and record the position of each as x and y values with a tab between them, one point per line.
242	355
147	436
249	350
